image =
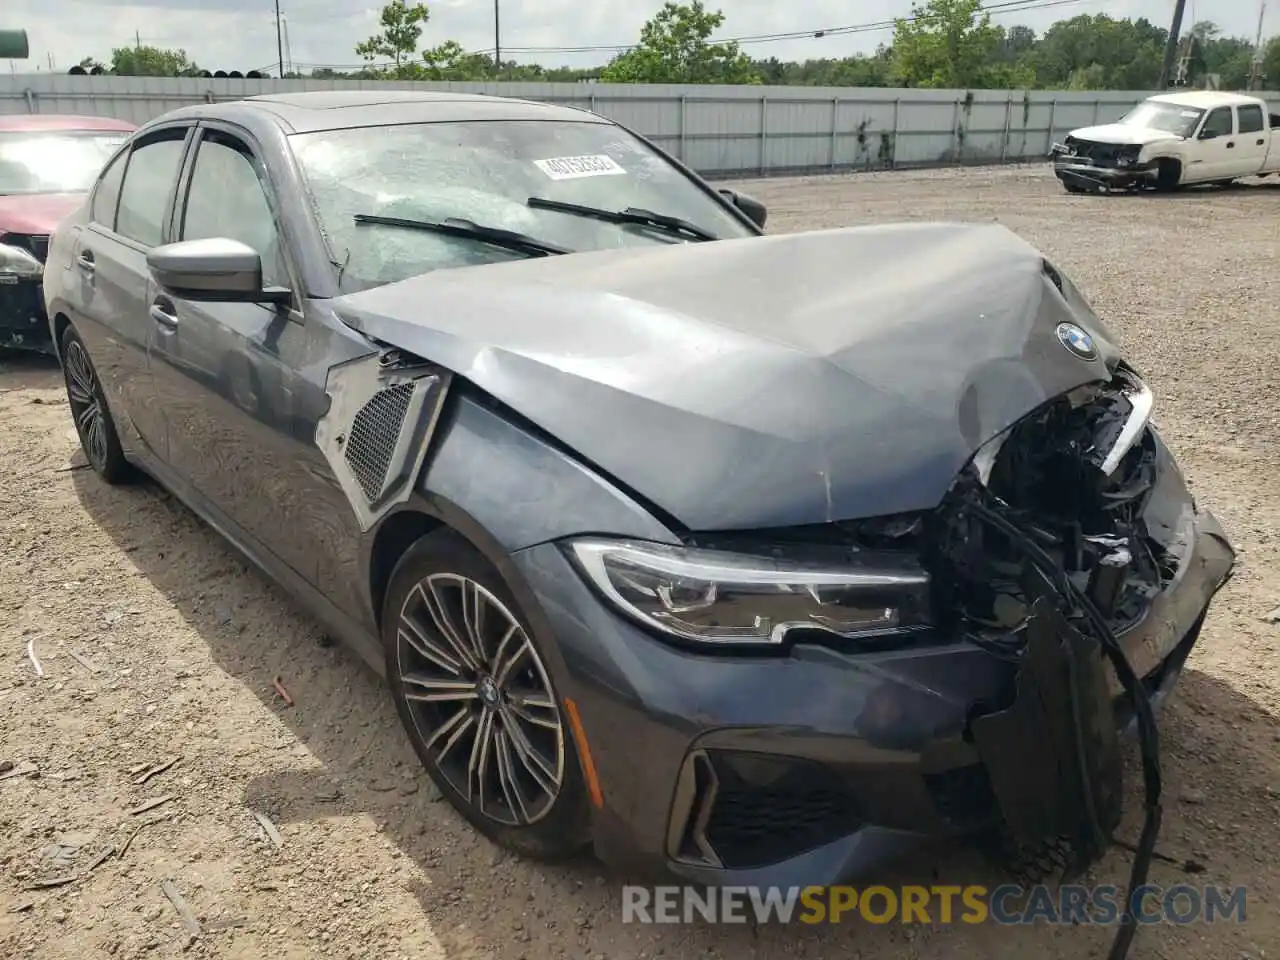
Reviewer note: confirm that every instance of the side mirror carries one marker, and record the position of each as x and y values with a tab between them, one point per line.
755	211
1208	135
215	270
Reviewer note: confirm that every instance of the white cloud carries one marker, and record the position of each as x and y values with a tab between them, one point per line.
240	34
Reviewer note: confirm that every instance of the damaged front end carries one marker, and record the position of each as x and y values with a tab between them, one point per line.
1071	547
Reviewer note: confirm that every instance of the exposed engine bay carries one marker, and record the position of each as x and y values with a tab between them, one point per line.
1053	543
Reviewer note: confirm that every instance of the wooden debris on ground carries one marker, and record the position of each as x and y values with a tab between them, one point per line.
24	769
269	828
188	918
158	769
282	692
150	804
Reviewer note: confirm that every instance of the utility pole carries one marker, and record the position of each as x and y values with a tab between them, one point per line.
1171	45
279	42
497	38
1255	68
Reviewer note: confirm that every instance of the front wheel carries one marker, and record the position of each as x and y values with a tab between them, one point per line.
94	426
474	693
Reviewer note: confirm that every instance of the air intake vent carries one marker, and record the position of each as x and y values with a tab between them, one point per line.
375	432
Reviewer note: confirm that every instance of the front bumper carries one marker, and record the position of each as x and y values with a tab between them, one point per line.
23	325
1085	174
814	767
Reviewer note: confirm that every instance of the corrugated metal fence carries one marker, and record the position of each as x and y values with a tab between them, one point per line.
718	130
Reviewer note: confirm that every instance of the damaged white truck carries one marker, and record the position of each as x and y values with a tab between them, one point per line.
1170	141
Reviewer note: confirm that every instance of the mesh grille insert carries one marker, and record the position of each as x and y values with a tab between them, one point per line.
373	437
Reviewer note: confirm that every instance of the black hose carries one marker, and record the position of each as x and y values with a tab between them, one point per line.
1148	732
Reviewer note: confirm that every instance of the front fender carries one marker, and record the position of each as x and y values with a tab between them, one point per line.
521	489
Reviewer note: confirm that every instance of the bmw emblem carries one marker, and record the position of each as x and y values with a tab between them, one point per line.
1076	340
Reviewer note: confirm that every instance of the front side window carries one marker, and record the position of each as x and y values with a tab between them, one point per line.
486	172
1218	123
62	161
227	199
148	183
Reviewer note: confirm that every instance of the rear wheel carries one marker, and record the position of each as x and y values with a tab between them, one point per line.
97	431
474	692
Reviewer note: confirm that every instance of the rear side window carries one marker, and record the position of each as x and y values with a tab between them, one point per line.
148	184
1250	119
107	195
1218	122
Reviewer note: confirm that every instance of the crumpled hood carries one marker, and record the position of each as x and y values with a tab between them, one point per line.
767	381
1123	133
36	213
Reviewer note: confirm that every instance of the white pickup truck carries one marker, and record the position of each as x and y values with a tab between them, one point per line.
1170	141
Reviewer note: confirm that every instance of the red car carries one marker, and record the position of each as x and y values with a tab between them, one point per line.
47	163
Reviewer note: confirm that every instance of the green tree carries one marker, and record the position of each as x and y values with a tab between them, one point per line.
949	43
398	40
1271	64
143	61
675	47
1229	58
449	61
1127	53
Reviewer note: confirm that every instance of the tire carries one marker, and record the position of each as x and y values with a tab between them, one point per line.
96	429
1168	175
509	697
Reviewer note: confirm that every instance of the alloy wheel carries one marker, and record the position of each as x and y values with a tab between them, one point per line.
480	699
86	404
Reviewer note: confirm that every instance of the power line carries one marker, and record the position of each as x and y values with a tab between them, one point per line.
995	9
1002	8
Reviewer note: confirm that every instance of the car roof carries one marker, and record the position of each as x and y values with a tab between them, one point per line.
342	109
31	122
1205	99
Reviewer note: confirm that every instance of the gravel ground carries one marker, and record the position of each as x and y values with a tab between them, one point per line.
181	644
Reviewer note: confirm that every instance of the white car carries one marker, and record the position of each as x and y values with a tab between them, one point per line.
1173	140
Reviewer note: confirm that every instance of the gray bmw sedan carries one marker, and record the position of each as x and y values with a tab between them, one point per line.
751	558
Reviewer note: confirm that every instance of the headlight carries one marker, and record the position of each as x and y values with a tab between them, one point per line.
716	597
17	264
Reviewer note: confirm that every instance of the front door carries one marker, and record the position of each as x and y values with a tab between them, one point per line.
1212	154
242	384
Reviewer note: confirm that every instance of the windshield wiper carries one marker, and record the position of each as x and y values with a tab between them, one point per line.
458	227
645	218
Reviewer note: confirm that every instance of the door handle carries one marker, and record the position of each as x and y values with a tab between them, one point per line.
85	262
162	313
1230	144
1259	142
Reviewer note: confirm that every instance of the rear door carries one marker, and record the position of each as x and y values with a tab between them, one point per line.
1251	140
129	213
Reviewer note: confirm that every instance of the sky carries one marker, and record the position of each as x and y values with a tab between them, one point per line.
240	34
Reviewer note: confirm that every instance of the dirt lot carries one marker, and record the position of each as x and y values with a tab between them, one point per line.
182	644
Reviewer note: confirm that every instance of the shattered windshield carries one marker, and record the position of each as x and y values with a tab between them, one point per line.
65	161
1169	117
486	172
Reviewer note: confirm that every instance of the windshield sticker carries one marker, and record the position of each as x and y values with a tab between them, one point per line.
573	168
1190	114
